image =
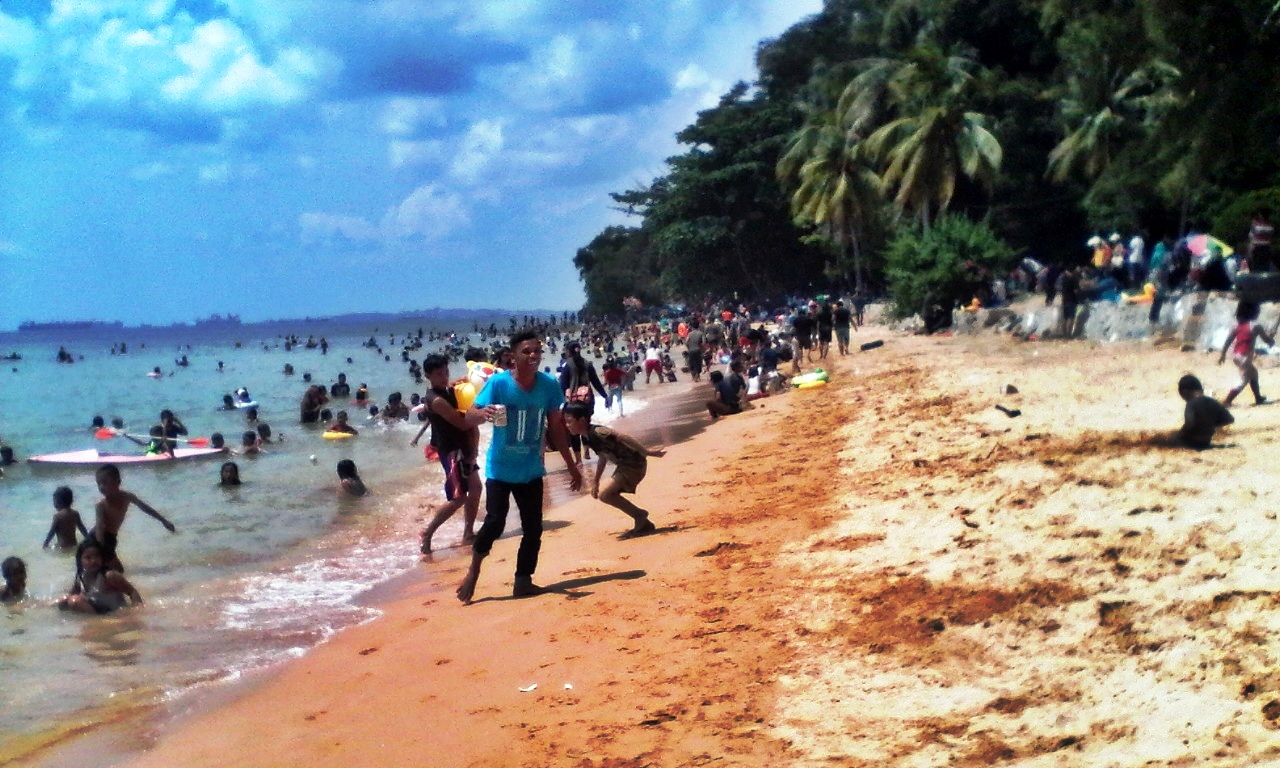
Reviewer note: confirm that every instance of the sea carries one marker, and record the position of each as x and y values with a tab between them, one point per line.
255	574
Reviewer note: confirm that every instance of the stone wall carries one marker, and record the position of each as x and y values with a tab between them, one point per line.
1201	320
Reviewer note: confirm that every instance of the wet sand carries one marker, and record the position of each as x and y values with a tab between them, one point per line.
885	571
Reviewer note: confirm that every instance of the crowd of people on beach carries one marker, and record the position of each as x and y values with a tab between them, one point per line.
528	404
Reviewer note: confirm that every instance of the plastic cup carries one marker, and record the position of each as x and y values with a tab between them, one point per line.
500	416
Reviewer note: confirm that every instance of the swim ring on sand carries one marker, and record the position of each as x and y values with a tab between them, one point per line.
818	375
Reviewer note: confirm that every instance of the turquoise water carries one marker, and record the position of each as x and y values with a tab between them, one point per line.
254	574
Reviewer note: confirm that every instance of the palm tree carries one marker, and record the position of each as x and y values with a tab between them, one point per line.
1102	117
835	188
934	138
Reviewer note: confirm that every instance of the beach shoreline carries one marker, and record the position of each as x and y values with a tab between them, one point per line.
887	570
670	416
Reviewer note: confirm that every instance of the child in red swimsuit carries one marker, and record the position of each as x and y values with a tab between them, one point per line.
1243	342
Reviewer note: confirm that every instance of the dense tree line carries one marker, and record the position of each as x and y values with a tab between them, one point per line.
1044	120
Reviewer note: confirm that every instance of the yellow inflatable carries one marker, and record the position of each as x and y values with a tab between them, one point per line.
338	435
817	375
811	384
465	392
478	373
1147	296
466	388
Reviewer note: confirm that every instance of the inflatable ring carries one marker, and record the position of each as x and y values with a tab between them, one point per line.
338	435
812	384
465	393
818	375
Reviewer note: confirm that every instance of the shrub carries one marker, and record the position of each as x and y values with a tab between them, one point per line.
949	264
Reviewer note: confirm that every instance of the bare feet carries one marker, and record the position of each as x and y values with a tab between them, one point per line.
426	542
468	539
642	529
467	589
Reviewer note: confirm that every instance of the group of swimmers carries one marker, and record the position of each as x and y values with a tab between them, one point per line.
99	585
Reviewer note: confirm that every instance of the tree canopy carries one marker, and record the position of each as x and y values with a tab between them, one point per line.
1046	119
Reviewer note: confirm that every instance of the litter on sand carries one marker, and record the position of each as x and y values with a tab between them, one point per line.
529	688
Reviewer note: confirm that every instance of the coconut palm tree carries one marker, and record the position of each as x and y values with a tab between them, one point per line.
1104	109
834	187
934	137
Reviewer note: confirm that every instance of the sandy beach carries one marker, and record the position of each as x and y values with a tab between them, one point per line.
885	571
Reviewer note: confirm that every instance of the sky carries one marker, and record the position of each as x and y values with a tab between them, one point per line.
163	160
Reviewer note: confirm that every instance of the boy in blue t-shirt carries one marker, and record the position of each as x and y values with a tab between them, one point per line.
524	405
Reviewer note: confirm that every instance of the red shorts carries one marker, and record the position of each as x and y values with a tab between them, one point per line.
653	365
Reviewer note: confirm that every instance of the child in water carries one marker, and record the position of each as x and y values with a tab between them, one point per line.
110	514
341	425
1243	342
14	571
350	478
65	520
97	589
250	443
229	475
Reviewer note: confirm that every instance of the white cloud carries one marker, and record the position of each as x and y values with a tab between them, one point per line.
218	173
405	117
152	170
428	212
324	228
481	144
224	72
416	153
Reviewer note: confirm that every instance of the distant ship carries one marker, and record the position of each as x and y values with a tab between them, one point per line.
219	321
69	325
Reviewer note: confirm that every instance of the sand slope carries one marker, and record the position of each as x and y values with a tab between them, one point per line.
887	571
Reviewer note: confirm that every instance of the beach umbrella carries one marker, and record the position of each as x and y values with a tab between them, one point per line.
1199	245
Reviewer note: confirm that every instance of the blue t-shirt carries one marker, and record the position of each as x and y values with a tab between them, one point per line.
515	452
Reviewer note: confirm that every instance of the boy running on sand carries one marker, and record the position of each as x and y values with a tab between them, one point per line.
630	458
1243	342
457	443
65	520
110	512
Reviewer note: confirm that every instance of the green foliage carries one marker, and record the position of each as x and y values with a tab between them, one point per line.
1232	222
1047	119
617	264
949	264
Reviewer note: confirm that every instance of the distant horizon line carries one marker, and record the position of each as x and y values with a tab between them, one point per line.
232	320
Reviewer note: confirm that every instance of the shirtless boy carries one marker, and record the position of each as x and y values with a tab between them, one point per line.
630	459
65	520
110	512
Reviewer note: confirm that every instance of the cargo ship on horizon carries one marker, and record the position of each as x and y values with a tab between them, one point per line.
69	325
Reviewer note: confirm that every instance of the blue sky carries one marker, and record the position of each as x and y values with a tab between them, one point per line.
161	160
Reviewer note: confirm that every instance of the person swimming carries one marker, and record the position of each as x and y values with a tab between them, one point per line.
349	478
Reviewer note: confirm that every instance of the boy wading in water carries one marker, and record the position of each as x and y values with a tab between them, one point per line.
111	511
629	457
524	405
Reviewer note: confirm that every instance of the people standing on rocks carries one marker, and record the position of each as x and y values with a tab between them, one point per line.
1069	292
1261	232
